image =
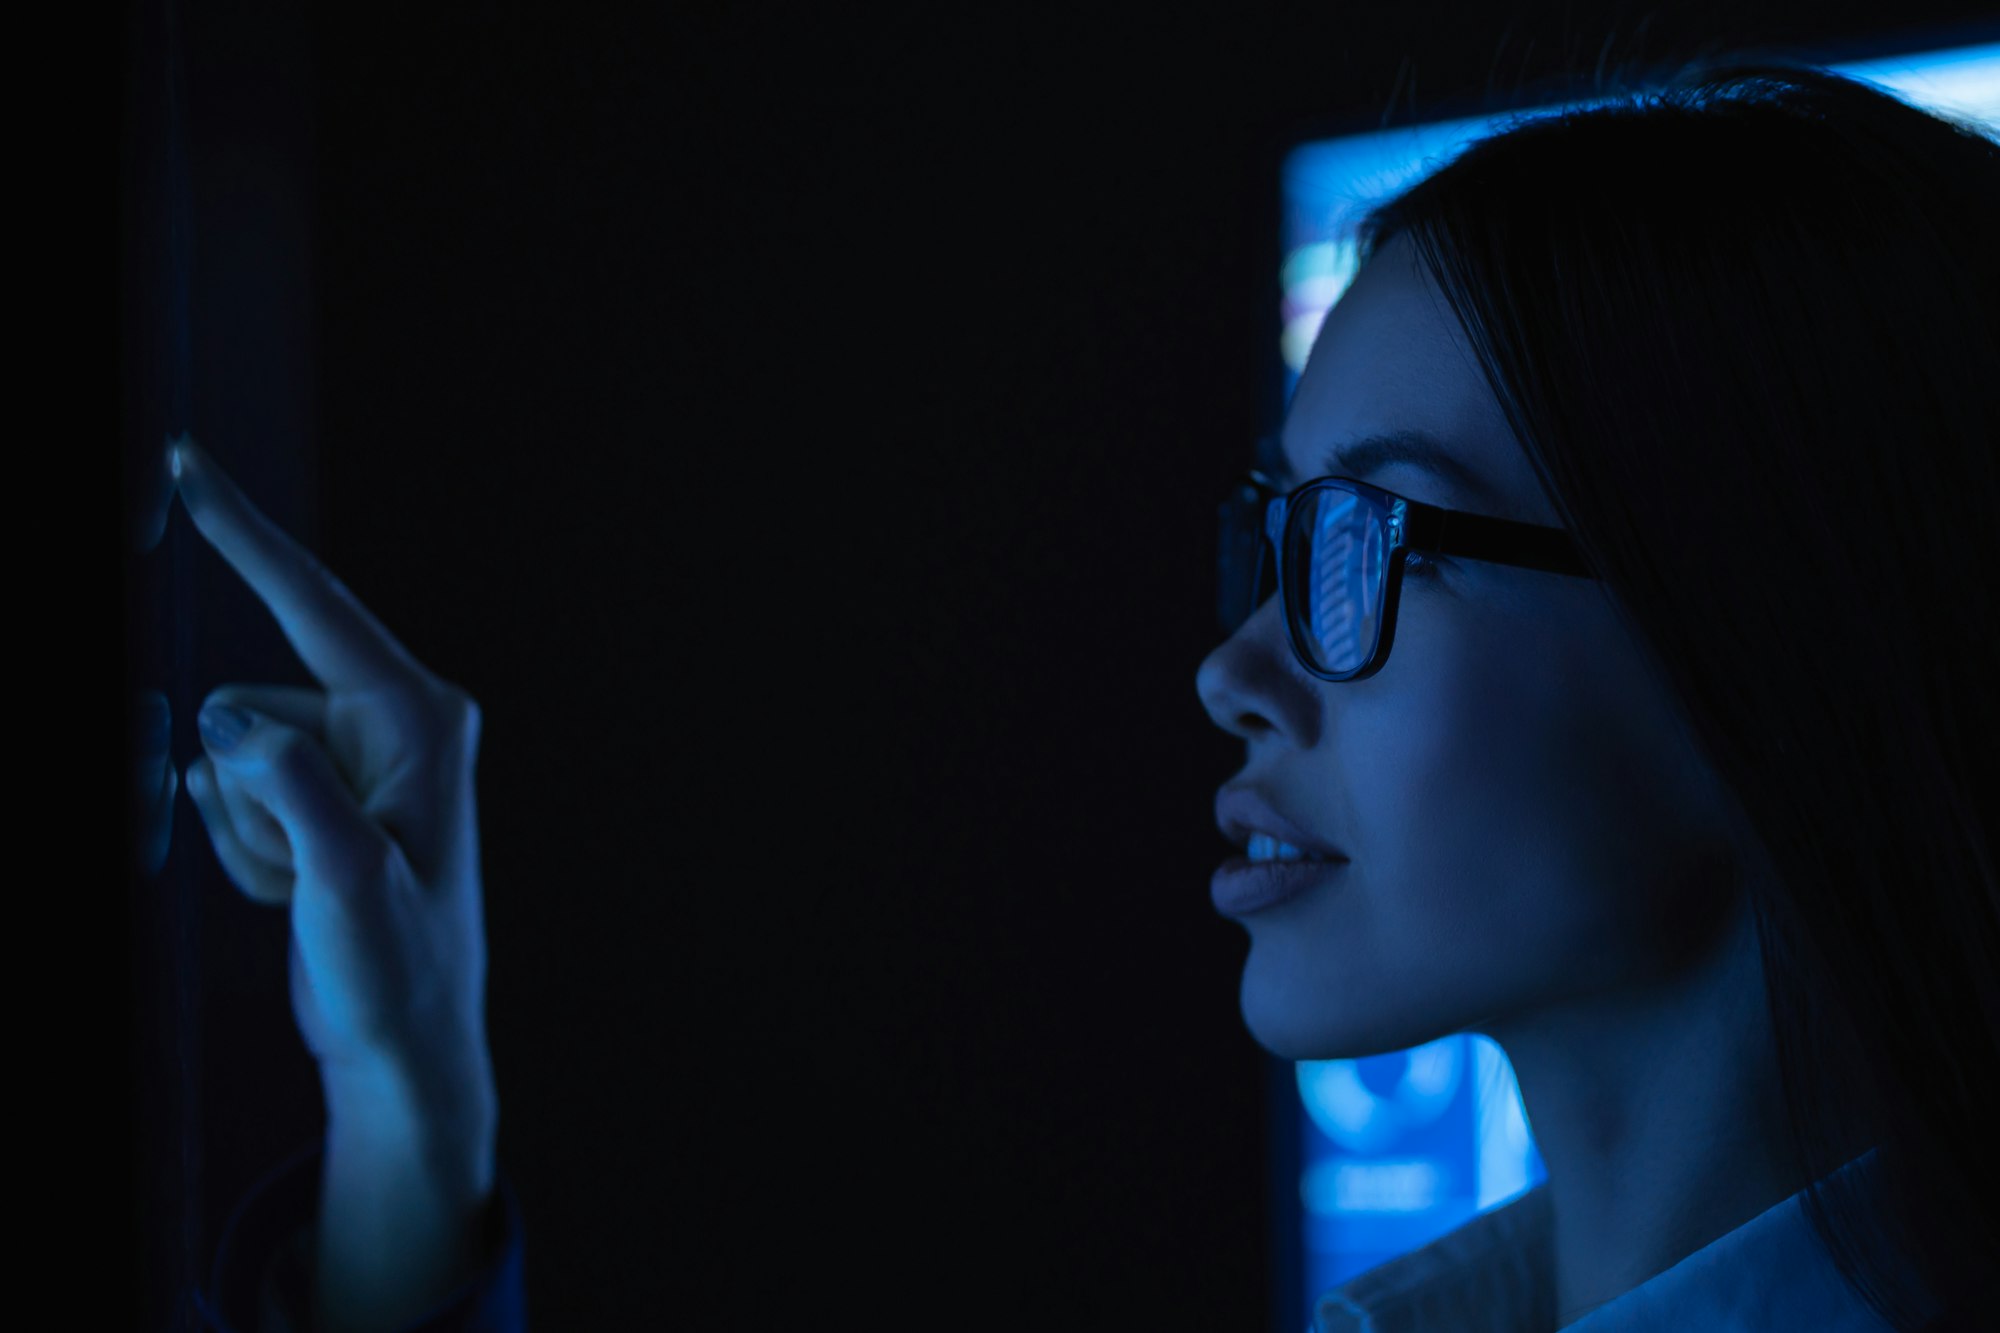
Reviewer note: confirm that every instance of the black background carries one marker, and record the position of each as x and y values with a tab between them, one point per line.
801	430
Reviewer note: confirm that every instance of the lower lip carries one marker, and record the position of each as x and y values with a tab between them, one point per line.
1242	886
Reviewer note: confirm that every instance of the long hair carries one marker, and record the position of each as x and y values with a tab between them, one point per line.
1745	324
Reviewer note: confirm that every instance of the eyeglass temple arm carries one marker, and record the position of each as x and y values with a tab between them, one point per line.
1502	540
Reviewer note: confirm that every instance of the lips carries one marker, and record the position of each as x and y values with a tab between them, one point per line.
1241	886
1241	811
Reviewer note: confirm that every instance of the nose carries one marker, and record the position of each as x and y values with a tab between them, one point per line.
1243	682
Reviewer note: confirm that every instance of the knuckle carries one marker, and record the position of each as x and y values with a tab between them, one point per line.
455	700
458	713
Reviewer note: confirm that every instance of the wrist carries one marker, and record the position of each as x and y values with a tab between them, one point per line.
399	1220
439	1126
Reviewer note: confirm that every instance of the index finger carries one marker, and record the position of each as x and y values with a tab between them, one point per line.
341	644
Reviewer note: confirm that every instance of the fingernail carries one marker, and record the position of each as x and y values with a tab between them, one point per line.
222	727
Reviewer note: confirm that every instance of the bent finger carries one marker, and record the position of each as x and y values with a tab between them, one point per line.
255	827
254	877
294	705
292	777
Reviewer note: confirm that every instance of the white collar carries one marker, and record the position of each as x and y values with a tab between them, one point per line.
1495	1275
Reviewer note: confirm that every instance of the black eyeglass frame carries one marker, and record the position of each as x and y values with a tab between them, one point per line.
1411	525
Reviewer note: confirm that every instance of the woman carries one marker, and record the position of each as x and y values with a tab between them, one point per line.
1678	792
1676	801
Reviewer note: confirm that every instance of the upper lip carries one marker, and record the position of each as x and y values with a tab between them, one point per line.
1241	811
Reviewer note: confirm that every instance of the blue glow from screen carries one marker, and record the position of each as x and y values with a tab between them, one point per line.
1329	184
1398	1149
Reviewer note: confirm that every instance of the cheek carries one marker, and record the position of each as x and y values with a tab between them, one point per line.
1526	831
1467	817
1530	817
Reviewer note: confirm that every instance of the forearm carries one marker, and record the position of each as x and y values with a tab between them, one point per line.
402	1193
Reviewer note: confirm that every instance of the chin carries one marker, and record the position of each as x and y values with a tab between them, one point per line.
1290	1030
1280	1028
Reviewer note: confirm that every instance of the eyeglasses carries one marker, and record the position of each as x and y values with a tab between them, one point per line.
1341	546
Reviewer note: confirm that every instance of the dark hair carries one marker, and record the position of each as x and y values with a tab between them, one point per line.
1746	327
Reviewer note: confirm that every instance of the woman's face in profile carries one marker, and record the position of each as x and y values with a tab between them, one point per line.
1527	826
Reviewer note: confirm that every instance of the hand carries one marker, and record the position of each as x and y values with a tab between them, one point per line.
351	806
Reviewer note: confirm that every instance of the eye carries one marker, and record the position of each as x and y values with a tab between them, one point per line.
1420	565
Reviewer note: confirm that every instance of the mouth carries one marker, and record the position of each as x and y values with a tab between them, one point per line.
1247	819
1242	886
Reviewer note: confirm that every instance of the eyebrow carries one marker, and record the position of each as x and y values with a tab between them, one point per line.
1370	453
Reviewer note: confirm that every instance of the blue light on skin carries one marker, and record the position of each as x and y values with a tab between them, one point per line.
1537	853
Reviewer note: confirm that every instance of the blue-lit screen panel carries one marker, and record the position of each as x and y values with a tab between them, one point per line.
1328	184
1396	1150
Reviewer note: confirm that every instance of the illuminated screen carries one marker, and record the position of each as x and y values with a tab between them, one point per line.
1395	1150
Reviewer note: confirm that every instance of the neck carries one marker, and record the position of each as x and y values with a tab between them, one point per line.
1657	1112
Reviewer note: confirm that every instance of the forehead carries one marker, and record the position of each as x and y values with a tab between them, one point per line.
1391	357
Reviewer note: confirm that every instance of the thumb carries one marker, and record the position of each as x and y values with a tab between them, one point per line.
289	773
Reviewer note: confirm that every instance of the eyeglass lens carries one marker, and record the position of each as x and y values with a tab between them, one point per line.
1336	571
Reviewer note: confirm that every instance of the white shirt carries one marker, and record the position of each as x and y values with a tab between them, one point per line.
1495	1274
